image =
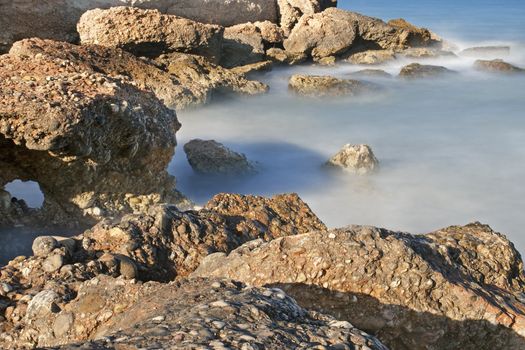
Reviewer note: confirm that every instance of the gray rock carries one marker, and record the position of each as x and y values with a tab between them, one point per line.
53	263
291	11
211	157
358	159
44	245
42	304
372	57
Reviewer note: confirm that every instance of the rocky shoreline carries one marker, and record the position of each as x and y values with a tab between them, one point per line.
88	104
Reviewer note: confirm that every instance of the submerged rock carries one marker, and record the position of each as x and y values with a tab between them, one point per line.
372	57
211	157
416	70
497	66
150	33
460	287
426	52
379	73
325	86
358	159
486	51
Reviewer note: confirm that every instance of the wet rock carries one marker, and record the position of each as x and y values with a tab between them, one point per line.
211	157
372	57
291	11
285	57
246	43
326	86
454	288
197	315
149	33
44	245
86	138
497	66
486	52
358	159
379	73
416	70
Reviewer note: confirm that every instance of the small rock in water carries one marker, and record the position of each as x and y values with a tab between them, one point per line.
44	245
416	70
326	86
372	57
486	52
497	66
211	157
376	73
358	159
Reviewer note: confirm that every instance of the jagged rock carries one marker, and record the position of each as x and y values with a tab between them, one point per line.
160	245
57	19
358	159
291	11
150	33
372	57
282	56
416	70
96	144
461	287
324	86
336	32
379	73
486	52
211	157
248	69
246	43
202	313
497	66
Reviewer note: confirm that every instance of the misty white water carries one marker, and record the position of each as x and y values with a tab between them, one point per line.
452	150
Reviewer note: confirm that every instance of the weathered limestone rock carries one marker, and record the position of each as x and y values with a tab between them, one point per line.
218	313
372	57
358	159
246	43
282	56
486	52
96	144
497	66
150	33
416	70
336	32
211	157
325	86
426	52
291	11
461	287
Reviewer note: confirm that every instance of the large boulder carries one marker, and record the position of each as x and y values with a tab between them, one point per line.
461	287
335	32
149	32
326	86
96	144
57	19
291	11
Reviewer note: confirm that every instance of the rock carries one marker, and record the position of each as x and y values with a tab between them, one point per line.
486	52
372	57
211	157
127	267
416	70
42	304
324	86
44	245
248	69
149	33
358	159
282	56
497	66
249	318
178	80
379	73
96	144
426	52
335	32
455	288
53	263
246	43
291	11
57	19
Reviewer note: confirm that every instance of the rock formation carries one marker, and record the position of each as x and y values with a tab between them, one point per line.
497	66
486	52
325	86
416	71
211	157
358	159
101	149
460	287
291	11
372	57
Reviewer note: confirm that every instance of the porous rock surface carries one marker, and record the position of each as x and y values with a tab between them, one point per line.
149	32
335	32
221	314
358	159
97	145
417	71
497	66
326	86
372	57
291	11
161	245
460	287
212	157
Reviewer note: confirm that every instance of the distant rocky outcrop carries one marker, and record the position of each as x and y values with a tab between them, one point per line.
486	52
417	70
327	86
460	287
497	66
213	158
358	159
